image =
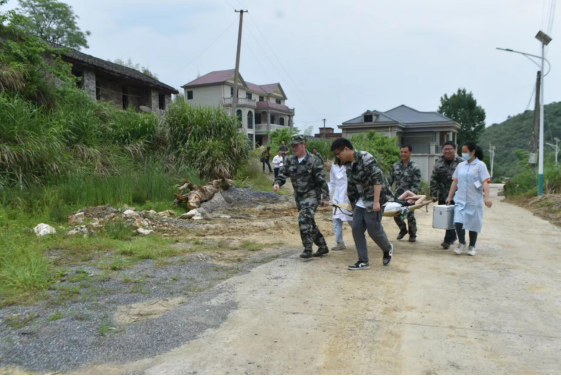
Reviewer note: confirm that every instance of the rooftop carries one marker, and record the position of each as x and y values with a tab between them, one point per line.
403	115
219	77
75	56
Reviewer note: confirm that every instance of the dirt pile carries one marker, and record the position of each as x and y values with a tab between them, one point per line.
547	206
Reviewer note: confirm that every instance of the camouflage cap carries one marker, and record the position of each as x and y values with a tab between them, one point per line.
297	139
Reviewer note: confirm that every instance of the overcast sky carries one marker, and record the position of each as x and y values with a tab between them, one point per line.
337	59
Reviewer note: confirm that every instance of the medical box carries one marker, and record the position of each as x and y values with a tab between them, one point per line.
443	217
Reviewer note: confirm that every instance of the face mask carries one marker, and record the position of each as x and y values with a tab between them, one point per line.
465	156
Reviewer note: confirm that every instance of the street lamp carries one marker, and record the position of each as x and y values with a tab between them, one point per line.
544	39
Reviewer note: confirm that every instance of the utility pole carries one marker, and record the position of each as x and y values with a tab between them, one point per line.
556	147
323	128
237	71
535	135
492	157
545	39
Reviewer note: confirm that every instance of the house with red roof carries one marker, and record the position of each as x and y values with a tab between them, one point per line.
260	108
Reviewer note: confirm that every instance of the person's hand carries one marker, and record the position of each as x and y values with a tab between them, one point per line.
276	187
376	206
325	203
448	201
433	199
488	203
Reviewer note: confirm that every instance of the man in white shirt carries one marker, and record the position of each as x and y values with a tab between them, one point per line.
278	163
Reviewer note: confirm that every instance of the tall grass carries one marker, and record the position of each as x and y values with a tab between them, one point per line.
526	183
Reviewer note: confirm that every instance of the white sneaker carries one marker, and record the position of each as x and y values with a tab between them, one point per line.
471	251
459	249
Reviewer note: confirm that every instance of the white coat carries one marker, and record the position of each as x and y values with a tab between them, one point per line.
338	188
469	196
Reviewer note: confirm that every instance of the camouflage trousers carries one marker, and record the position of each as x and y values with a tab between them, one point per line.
309	231
410	220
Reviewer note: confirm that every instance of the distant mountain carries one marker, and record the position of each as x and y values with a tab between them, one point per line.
516	133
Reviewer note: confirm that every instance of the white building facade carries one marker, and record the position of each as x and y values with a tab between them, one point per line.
260	108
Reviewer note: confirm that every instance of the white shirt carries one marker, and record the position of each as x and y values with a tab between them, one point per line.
277	161
338	187
301	159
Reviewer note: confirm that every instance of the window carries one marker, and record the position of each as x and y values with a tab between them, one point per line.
250	120
368	118
239	114
125	97
190	94
257	118
272	119
248	95
231	91
162	101
278	101
281	121
261	98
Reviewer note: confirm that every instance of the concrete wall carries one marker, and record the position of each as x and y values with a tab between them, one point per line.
207	96
111	92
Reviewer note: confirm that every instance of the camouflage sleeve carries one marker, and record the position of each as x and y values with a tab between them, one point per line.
391	177
375	173
352	192
319	177
434	183
283	172
416	180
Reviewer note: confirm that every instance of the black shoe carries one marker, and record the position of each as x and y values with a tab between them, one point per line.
320	252
388	256
306	254
445	245
359	266
401	235
412	239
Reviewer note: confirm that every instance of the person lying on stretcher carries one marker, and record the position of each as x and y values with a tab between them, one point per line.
406	199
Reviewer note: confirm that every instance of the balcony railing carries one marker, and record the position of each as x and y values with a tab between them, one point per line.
241	101
263	127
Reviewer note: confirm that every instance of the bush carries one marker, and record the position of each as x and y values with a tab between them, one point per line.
208	138
323	146
526	183
384	149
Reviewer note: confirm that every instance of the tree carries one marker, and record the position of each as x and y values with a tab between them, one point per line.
54	21
138	67
463	109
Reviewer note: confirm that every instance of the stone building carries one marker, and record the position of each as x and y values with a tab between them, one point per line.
125	87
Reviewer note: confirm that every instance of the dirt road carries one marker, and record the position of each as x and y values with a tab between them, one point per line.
429	312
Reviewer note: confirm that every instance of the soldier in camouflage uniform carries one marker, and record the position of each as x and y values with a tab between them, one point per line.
368	190
308	180
441	181
317	155
407	177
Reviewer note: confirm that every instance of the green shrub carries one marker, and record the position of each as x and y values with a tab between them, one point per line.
384	149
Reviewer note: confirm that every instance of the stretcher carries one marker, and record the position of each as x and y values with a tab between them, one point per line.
390	213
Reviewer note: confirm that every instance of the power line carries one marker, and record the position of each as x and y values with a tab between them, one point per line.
302	95
227	2
206	49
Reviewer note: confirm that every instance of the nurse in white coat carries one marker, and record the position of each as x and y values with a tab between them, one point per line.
338	188
471	189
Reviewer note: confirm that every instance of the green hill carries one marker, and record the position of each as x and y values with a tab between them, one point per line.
516	133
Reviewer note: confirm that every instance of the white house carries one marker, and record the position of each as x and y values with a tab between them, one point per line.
260	107
426	132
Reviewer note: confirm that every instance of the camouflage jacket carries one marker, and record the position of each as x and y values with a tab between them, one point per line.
362	175
308	177
441	178
406	178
